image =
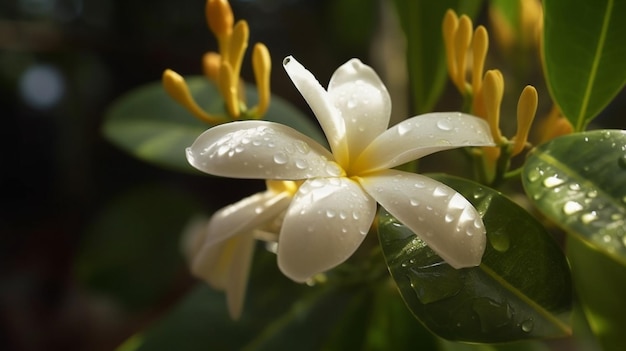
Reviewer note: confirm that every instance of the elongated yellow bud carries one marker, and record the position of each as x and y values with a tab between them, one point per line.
480	46
462	40
219	16
238	46
526	109
262	66
211	62
227	84
176	87
450	25
493	91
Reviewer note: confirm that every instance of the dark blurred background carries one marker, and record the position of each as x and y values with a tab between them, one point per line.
62	62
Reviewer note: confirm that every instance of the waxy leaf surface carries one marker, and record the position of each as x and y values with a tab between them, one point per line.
584	55
421	21
521	290
579	181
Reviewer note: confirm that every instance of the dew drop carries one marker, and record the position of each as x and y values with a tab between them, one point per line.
574	186
553	181
592	194
404	128
342	215
533	175
333	169
528	325
439	192
444	125
419	184
449	218
356	215
589	217
280	158
258	210
352	103
302	147
301	164
414	202
331	213
572	207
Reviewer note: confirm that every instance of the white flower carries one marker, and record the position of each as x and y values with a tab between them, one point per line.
221	252
334	208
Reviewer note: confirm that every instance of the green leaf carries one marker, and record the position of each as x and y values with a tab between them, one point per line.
584	55
421	22
521	290
151	126
130	251
579	182
601	288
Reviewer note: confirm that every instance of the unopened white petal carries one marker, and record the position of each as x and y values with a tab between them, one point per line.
440	216
365	105
209	261
226	267
260	150
238	274
322	106
324	225
420	136
245	215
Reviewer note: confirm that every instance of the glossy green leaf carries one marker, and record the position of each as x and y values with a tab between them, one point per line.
584	55
579	181
130	251
421	22
151	126
601	288
282	315
521	290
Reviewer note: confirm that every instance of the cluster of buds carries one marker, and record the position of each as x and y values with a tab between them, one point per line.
224	68
486	90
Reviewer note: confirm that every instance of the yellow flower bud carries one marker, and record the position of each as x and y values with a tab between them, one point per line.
220	17
462	40
211	62
493	91
262	66
450	24
480	45
175	85
227	84
526	109
238	46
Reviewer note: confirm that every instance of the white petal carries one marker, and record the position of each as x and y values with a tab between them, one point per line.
245	216
262	150
420	136
226	266
325	223
440	216
364	102
239	273
322	106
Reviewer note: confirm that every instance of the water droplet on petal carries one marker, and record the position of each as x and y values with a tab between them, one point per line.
444	125
280	158
414	202
331	213
449	218
439	192
404	128
301	164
